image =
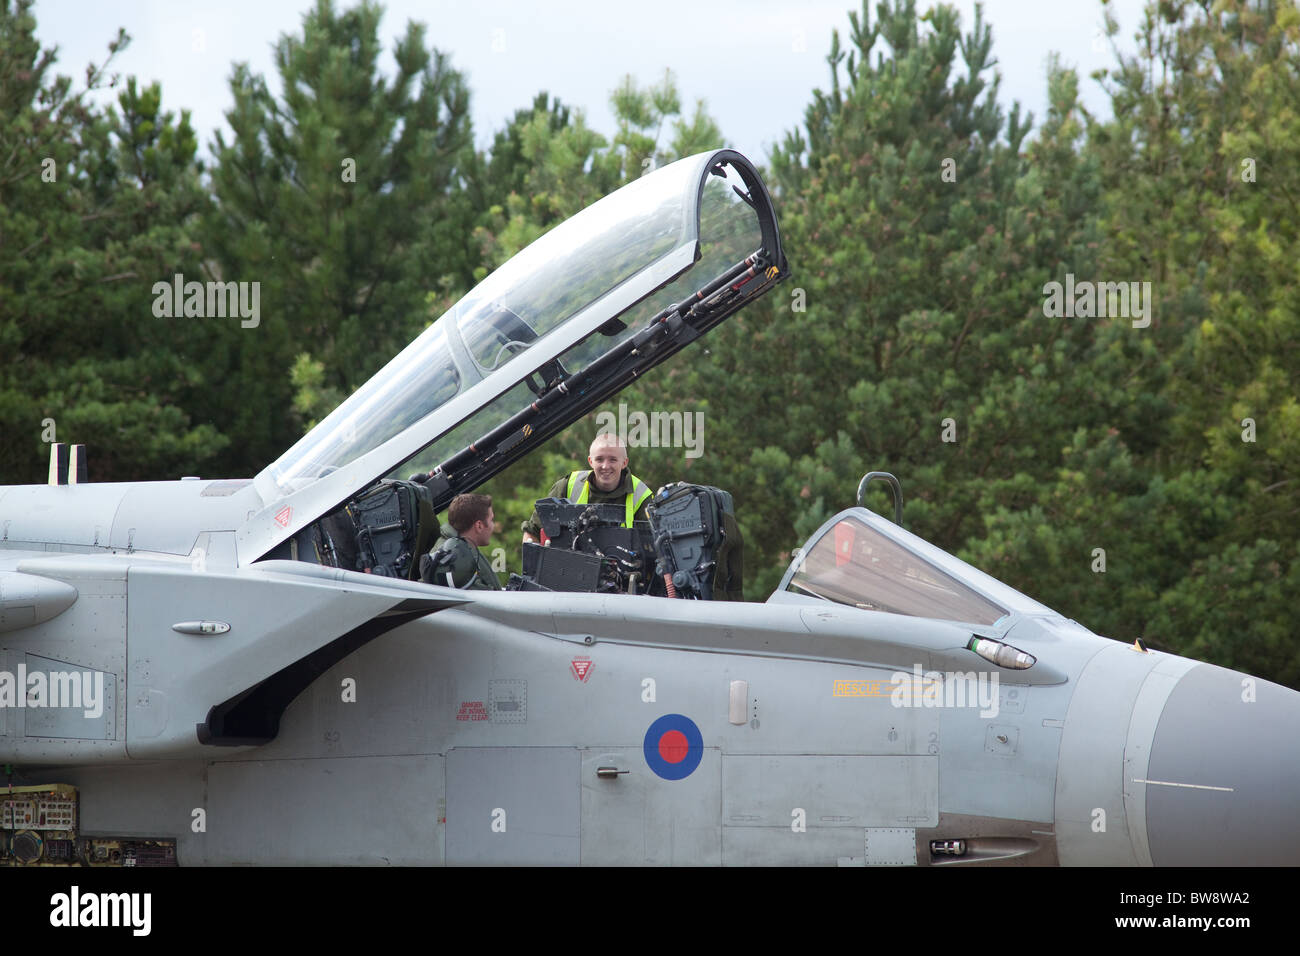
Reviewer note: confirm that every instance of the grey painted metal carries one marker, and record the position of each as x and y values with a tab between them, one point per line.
135	525
275	619
996	779
381	811
83	708
1080	741
27	599
1091	823
60	514
1159	684
640	819
830	790
780	846
89	636
1226	749
153	516
416	683
518	806
890	846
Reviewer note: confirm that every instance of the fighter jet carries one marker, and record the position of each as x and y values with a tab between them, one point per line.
253	671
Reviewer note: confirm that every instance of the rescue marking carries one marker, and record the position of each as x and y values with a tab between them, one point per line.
283	515
673	747
580	668
861	688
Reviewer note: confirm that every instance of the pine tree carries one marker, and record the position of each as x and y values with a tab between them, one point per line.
95	207
343	200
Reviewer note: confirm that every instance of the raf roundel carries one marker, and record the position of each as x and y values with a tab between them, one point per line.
673	747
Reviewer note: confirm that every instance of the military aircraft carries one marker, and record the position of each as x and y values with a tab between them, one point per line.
252	672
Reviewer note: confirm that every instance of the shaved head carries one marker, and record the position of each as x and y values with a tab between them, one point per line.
608	458
611	441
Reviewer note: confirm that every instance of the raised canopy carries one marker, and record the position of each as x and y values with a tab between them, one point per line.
673	238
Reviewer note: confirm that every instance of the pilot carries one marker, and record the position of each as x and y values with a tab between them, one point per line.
608	480
456	560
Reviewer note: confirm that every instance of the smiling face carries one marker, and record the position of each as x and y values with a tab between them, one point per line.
607	459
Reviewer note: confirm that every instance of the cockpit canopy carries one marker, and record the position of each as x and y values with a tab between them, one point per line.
586	286
540	288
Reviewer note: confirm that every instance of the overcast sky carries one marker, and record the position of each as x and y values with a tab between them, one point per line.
754	63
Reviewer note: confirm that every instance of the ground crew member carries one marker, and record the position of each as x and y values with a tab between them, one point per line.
456	560
608	480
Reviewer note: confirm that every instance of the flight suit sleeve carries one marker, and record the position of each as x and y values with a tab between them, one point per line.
533	525
487	579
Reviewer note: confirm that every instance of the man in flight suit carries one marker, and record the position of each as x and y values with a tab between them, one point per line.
456	560
608	480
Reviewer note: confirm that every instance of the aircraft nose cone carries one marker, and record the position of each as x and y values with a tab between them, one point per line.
1223	781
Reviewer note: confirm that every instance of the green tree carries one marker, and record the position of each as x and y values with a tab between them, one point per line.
95	207
547	165
920	237
343	200
1199	165
1191	495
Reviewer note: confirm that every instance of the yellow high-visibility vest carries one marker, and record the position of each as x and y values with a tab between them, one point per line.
640	492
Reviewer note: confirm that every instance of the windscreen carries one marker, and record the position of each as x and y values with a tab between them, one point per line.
854	564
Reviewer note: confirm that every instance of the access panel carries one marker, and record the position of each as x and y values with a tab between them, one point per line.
517	806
